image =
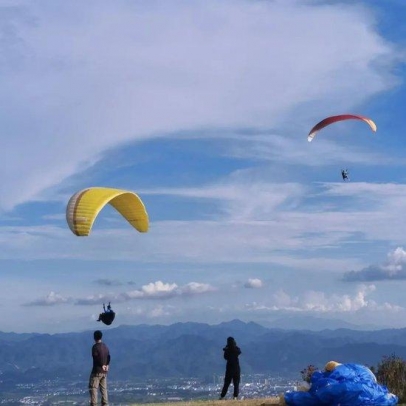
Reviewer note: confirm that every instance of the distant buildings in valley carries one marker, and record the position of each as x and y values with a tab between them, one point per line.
159	390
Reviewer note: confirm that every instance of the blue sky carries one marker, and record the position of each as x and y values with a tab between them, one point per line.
203	108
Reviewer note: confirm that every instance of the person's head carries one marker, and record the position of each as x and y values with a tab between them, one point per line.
97	335
331	365
231	341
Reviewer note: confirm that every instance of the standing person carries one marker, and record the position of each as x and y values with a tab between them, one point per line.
233	372
98	376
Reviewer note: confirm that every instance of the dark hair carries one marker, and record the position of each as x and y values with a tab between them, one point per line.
97	335
231	341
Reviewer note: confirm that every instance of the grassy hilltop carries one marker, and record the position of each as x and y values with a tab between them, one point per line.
245	402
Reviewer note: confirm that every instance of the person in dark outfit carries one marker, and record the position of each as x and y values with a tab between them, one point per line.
98	376
233	372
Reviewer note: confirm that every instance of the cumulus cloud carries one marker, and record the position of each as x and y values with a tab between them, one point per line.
253	283
282	300
52	299
393	269
320	302
151	291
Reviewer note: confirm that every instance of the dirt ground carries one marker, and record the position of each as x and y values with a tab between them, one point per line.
243	402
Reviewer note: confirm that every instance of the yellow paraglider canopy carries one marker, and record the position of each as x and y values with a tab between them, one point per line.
84	206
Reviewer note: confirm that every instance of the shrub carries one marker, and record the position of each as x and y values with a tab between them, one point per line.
307	372
391	372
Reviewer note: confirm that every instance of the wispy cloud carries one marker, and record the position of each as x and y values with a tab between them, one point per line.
269	223
209	104
287	150
158	78
242	196
108	282
379	193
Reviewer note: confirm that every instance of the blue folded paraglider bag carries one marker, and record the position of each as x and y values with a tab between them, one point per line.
346	385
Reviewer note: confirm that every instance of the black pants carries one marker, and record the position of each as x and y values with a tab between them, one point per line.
231	375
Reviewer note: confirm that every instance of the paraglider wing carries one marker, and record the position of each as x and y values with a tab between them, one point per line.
333	119
84	206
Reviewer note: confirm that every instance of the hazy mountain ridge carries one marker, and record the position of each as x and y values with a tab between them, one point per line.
191	350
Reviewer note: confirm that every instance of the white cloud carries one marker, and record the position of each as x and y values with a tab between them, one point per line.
396	260
51	299
160	311
393	269
76	84
321	302
386	194
281	299
259	222
284	149
95	299
195	288
284	237
151	291
254	283
242	196
155	289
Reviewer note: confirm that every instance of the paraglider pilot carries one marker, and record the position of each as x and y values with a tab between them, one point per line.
107	316
344	174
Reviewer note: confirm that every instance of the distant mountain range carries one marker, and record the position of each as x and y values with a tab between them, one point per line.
306	322
191	350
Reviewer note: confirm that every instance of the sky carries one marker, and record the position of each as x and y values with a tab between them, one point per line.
203	108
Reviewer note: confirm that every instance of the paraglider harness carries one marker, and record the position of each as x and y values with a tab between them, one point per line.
344	174
107	316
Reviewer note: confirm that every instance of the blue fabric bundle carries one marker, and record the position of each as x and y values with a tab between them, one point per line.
345	385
